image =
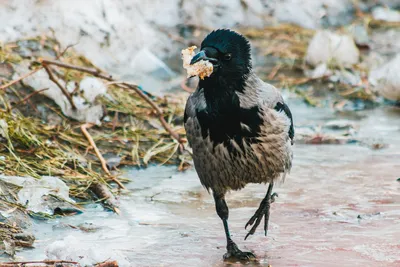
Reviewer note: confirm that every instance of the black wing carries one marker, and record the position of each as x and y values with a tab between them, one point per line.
283	107
189	108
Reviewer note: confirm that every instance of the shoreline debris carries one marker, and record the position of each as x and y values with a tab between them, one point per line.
45	263
46	136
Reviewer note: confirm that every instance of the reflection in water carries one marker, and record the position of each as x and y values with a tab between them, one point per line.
339	207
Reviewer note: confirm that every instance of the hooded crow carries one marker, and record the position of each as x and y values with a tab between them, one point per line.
240	129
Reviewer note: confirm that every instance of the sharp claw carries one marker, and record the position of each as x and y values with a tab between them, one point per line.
249	223
259	214
247	235
251	232
256	224
252	219
235	253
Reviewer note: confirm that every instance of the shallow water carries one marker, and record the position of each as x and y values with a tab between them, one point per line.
340	206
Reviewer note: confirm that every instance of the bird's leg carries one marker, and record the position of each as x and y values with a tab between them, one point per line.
233	251
262	211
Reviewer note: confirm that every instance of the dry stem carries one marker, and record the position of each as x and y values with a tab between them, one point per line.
5	86
8	264
94	72
107	264
84	128
156	108
125	85
28	96
62	88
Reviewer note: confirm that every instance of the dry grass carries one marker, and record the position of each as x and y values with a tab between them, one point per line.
34	147
285	46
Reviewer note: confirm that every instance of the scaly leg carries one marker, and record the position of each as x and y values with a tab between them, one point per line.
262	211
233	251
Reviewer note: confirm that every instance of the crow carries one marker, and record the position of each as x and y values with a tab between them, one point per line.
240	129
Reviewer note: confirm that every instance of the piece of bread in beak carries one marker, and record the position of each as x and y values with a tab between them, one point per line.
202	68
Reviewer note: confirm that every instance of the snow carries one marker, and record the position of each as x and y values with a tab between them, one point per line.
329	47
386	80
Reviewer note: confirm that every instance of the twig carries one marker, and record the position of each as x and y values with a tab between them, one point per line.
125	85
45	261
107	264
135	88
157	109
115	121
104	194
62	88
27	97
274	71
92	71
65	50
5	86
84	128
359	13
39	265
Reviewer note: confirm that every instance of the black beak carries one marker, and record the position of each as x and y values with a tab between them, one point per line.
202	56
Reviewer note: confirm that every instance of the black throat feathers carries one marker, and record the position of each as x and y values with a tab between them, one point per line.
222	118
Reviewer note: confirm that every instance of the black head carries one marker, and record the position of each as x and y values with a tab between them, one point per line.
228	51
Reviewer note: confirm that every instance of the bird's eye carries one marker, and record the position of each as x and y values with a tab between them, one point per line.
228	56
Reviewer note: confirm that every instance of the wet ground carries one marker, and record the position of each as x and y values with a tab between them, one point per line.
340	206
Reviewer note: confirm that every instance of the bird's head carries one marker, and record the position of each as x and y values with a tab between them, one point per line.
228	51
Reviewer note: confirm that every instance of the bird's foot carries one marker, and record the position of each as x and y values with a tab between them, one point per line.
262	211
234	253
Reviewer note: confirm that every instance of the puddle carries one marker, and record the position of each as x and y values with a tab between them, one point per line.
340	206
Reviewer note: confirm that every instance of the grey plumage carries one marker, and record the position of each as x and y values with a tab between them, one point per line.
262	162
239	128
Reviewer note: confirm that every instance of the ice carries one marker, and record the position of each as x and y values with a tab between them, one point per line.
87	254
33	191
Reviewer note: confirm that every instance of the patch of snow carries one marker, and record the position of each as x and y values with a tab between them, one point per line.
386	14
92	87
86	109
327	46
73	249
386	79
